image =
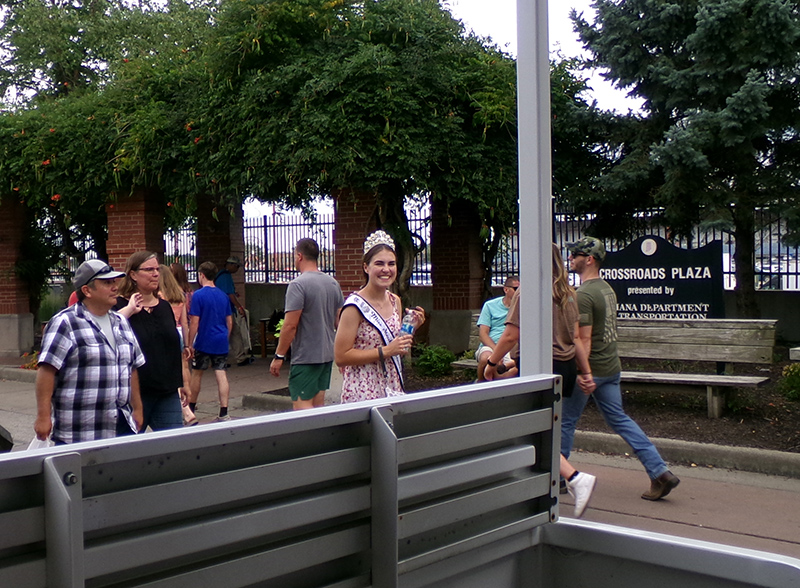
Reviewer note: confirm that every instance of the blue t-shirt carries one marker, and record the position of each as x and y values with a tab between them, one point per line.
224	281
212	306
493	315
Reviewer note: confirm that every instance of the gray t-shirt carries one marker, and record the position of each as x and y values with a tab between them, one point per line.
319	296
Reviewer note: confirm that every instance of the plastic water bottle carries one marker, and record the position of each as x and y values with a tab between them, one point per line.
409	322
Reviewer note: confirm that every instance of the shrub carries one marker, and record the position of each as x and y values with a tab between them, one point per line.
790	382
434	362
50	305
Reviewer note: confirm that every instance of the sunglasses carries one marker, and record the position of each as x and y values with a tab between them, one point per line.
103	270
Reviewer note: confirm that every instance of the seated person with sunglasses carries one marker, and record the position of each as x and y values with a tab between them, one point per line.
491	323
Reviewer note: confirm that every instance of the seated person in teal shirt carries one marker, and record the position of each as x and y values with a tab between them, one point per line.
491	323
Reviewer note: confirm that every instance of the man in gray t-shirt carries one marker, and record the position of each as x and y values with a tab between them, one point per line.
313	300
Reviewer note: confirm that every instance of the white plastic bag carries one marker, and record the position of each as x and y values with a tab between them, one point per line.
37	443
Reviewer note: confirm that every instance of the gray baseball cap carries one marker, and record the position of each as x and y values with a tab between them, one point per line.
94	269
590	246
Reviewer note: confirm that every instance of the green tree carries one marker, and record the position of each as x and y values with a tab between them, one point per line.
718	134
387	97
96	96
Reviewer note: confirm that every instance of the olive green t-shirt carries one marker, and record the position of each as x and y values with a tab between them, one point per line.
597	305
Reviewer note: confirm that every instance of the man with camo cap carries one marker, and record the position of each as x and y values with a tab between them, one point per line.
597	329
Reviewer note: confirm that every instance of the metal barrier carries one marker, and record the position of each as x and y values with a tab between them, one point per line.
454	488
344	496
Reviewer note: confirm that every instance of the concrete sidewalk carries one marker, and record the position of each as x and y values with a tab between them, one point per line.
18	396
713	503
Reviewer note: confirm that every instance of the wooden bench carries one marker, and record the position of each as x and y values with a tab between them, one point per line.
725	341
464	364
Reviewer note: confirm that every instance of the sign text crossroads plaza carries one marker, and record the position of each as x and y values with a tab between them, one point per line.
653	279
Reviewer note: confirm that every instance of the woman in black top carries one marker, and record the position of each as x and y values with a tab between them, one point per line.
152	319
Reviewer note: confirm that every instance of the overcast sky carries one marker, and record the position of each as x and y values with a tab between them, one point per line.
497	19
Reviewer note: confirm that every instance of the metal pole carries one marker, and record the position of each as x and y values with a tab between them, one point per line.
384	498
535	206
63	514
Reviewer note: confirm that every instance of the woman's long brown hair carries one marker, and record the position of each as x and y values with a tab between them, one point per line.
562	289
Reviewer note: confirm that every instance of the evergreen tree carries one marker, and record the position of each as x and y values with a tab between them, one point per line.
718	134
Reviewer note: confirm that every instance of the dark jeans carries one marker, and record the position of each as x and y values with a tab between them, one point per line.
162	411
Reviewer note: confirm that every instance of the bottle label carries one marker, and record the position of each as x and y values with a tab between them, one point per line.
407	328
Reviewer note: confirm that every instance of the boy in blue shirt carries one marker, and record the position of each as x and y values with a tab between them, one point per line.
210	324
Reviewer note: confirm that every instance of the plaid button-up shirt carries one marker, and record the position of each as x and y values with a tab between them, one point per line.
94	378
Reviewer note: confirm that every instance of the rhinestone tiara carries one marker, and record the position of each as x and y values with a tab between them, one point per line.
378	238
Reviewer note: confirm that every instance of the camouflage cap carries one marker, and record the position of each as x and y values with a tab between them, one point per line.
588	246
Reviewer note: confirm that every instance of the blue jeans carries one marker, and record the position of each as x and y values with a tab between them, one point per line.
162	411
608	398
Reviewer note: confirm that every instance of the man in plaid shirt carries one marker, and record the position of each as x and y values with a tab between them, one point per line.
87	378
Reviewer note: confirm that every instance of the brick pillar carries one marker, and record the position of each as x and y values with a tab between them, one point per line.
456	271
135	223
354	220
220	237
16	320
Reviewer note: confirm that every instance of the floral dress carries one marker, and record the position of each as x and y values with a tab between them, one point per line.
368	381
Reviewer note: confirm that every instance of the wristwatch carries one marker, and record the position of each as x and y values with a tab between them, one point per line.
489	362
281	357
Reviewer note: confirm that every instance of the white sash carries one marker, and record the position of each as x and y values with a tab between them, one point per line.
374	318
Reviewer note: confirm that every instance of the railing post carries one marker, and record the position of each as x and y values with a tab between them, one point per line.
63	515
266	250
384	498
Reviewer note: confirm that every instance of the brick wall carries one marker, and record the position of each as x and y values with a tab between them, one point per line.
135	223
220	237
354	220
13	292
457	272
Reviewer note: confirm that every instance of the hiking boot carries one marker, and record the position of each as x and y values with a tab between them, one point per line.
580	488
661	486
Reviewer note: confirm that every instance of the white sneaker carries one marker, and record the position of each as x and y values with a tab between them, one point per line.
224	419
581	488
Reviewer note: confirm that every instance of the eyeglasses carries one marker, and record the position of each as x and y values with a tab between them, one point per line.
149	270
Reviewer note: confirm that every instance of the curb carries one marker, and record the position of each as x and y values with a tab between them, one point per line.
266	401
16	374
760	461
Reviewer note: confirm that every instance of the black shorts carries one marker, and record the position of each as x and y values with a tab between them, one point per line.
202	361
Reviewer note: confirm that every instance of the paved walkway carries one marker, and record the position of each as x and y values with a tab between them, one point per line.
755	511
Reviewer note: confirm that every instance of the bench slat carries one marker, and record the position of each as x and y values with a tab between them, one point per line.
709	336
465	364
690	352
693	379
764	324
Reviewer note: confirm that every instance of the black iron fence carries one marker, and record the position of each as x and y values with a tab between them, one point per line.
270	240
776	264
179	247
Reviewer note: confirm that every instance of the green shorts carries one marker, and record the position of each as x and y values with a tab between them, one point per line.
306	380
